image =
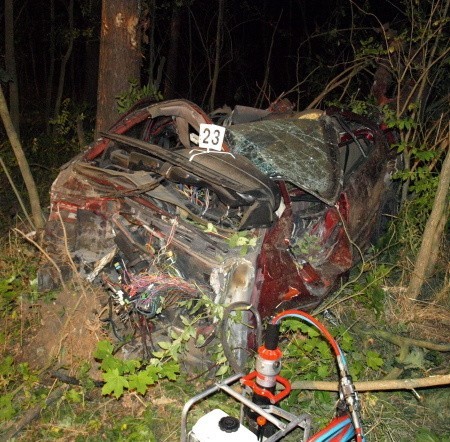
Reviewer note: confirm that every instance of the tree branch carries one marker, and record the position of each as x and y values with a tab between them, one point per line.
337	81
403	341
22	162
381	385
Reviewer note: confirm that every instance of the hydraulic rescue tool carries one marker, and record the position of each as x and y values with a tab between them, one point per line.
261	418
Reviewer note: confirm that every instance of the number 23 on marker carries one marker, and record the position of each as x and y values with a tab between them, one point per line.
211	136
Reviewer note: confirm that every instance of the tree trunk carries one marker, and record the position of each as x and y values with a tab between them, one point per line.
51	69
150	31
264	93
23	163
10	64
172	58
120	57
215	77
434	228
65	59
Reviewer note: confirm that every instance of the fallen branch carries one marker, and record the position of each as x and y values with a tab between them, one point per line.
63	377
394	384
403	341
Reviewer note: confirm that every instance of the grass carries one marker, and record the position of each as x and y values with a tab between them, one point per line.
81	413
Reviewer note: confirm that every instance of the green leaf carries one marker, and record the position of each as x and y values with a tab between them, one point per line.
233	240
222	370
374	360
322	371
170	370
356	367
244	250
6	366
104	348
415	359
323	397
185	320
310	331
291	325
164	345
309	345
159	354
210	228
141	380
200	340
174	349
114	383
174	334
252	242
74	396
222	359
154	371
242	241
110	363
6	407
324	349
346	342
130	365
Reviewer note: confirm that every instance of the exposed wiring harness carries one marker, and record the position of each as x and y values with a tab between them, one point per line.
347	391
146	292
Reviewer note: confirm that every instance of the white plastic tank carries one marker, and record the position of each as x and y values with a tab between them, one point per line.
217	426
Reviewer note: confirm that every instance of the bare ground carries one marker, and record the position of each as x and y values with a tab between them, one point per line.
63	332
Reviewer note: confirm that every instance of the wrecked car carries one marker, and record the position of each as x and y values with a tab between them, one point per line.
267	207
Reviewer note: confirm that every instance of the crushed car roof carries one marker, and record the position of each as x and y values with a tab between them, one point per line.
299	150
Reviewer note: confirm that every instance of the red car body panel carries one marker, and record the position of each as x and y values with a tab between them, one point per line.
125	188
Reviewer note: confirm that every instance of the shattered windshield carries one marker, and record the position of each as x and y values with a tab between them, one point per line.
301	151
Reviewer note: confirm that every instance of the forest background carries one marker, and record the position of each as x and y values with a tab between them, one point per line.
65	76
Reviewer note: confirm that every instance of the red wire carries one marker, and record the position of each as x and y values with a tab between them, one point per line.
337	351
321	327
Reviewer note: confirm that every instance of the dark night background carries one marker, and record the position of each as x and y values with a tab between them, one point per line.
388	60
298	46
300	31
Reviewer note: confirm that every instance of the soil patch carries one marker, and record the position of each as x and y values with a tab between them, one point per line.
64	332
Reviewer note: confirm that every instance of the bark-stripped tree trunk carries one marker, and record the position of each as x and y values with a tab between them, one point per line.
434	229
10	64
23	163
120	56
